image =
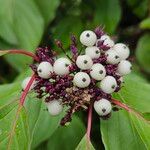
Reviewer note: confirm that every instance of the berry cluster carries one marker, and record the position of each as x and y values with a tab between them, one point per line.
84	78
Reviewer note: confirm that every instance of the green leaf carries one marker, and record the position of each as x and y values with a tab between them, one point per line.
85	144
135	93
21	25
8	107
125	131
9	93
3	52
20	138
34	124
142	126
105	15
146	116
142	52
66	26
48	9
145	24
72	133
139	8
41	124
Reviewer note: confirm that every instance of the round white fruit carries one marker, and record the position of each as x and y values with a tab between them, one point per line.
122	50
124	67
44	70
61	66
25	83
103	107
112	57
81	80
84	62
108	84
54	107
98	71
107	41
88	38
104	37
93	52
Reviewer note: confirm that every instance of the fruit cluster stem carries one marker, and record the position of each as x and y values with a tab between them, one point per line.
89	124
24	53
120	104
25	92
21	103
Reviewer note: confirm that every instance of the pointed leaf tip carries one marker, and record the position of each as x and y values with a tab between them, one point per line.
85	144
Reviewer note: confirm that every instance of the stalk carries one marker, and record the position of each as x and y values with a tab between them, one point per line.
122	105
25	92
23	52
21	103
89	125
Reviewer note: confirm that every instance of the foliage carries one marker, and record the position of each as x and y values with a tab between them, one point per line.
26	24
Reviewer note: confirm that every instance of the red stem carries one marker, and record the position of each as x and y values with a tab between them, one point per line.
22	100
120	104
127	108
25	92
88	132
24	53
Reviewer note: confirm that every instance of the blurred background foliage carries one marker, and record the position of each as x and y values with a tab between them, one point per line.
27	24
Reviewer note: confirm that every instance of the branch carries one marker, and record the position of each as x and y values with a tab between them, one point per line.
3	52
25	92
22	100
122	105
88	132
60	45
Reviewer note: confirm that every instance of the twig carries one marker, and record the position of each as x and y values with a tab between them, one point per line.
24	94
88	132
120	104
21	52
22	100
60	45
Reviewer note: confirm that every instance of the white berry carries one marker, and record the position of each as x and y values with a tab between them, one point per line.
102	107
98	71
108	84
54	107
122	50
93	52
81	80
112	57
124	67
44	70
84	62
61	66
104	37
25	83
107	41
88	38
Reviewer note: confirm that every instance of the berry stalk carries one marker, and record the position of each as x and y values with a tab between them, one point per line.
122	105
88	132
22	100
21	52
127	108
60	45
25	92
